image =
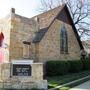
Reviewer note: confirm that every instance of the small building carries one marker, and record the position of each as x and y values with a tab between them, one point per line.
49	36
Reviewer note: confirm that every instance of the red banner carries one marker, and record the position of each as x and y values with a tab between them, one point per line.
2	55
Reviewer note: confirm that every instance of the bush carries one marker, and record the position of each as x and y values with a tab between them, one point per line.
86	64
75	66
55	68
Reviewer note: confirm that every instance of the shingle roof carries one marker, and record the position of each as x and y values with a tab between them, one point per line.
46	18
39	35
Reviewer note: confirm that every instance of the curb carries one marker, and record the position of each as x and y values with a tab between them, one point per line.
72	82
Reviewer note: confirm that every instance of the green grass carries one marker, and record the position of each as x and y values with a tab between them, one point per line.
64	88
59	80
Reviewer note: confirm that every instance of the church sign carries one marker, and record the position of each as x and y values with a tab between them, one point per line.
21	70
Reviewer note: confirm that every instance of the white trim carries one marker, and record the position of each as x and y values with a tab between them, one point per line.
22	61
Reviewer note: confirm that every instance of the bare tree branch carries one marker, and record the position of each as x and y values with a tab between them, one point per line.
79	10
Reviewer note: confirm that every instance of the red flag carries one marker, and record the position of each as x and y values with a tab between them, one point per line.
1	49
1	38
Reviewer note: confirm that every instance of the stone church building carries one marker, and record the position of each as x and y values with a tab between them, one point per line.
48	36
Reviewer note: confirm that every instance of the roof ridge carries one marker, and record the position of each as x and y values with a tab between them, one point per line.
43	29
60	6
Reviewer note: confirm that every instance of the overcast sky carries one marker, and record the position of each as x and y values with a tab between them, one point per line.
26	8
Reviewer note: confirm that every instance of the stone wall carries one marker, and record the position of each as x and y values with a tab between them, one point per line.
22	82
17	29
22	30
49	47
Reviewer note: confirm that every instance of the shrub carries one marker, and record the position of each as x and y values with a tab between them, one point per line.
75	66
86	64
55	68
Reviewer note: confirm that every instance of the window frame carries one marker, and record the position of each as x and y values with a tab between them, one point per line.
26	50
63	41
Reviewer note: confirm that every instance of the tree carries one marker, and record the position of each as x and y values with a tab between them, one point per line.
79	10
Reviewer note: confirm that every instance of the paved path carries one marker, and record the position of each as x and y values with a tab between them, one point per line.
84	86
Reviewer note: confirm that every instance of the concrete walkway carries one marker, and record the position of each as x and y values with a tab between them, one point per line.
84	86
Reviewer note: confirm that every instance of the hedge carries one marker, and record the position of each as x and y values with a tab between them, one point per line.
86	64
57	68
75	66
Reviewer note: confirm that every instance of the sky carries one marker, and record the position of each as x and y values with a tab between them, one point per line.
27	8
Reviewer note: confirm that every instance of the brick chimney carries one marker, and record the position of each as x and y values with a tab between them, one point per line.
12	10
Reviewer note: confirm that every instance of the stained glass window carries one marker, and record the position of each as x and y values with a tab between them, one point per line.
63	40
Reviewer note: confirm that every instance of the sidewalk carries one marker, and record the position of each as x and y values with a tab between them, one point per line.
75	81
84	86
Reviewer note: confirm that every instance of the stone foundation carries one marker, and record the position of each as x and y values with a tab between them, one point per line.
7	80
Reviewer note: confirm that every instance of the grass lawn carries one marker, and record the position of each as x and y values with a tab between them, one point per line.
59	80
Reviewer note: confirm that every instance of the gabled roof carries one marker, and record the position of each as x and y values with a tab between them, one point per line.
74	28
39	35
46	19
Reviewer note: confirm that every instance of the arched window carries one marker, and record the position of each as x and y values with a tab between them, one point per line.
63	41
